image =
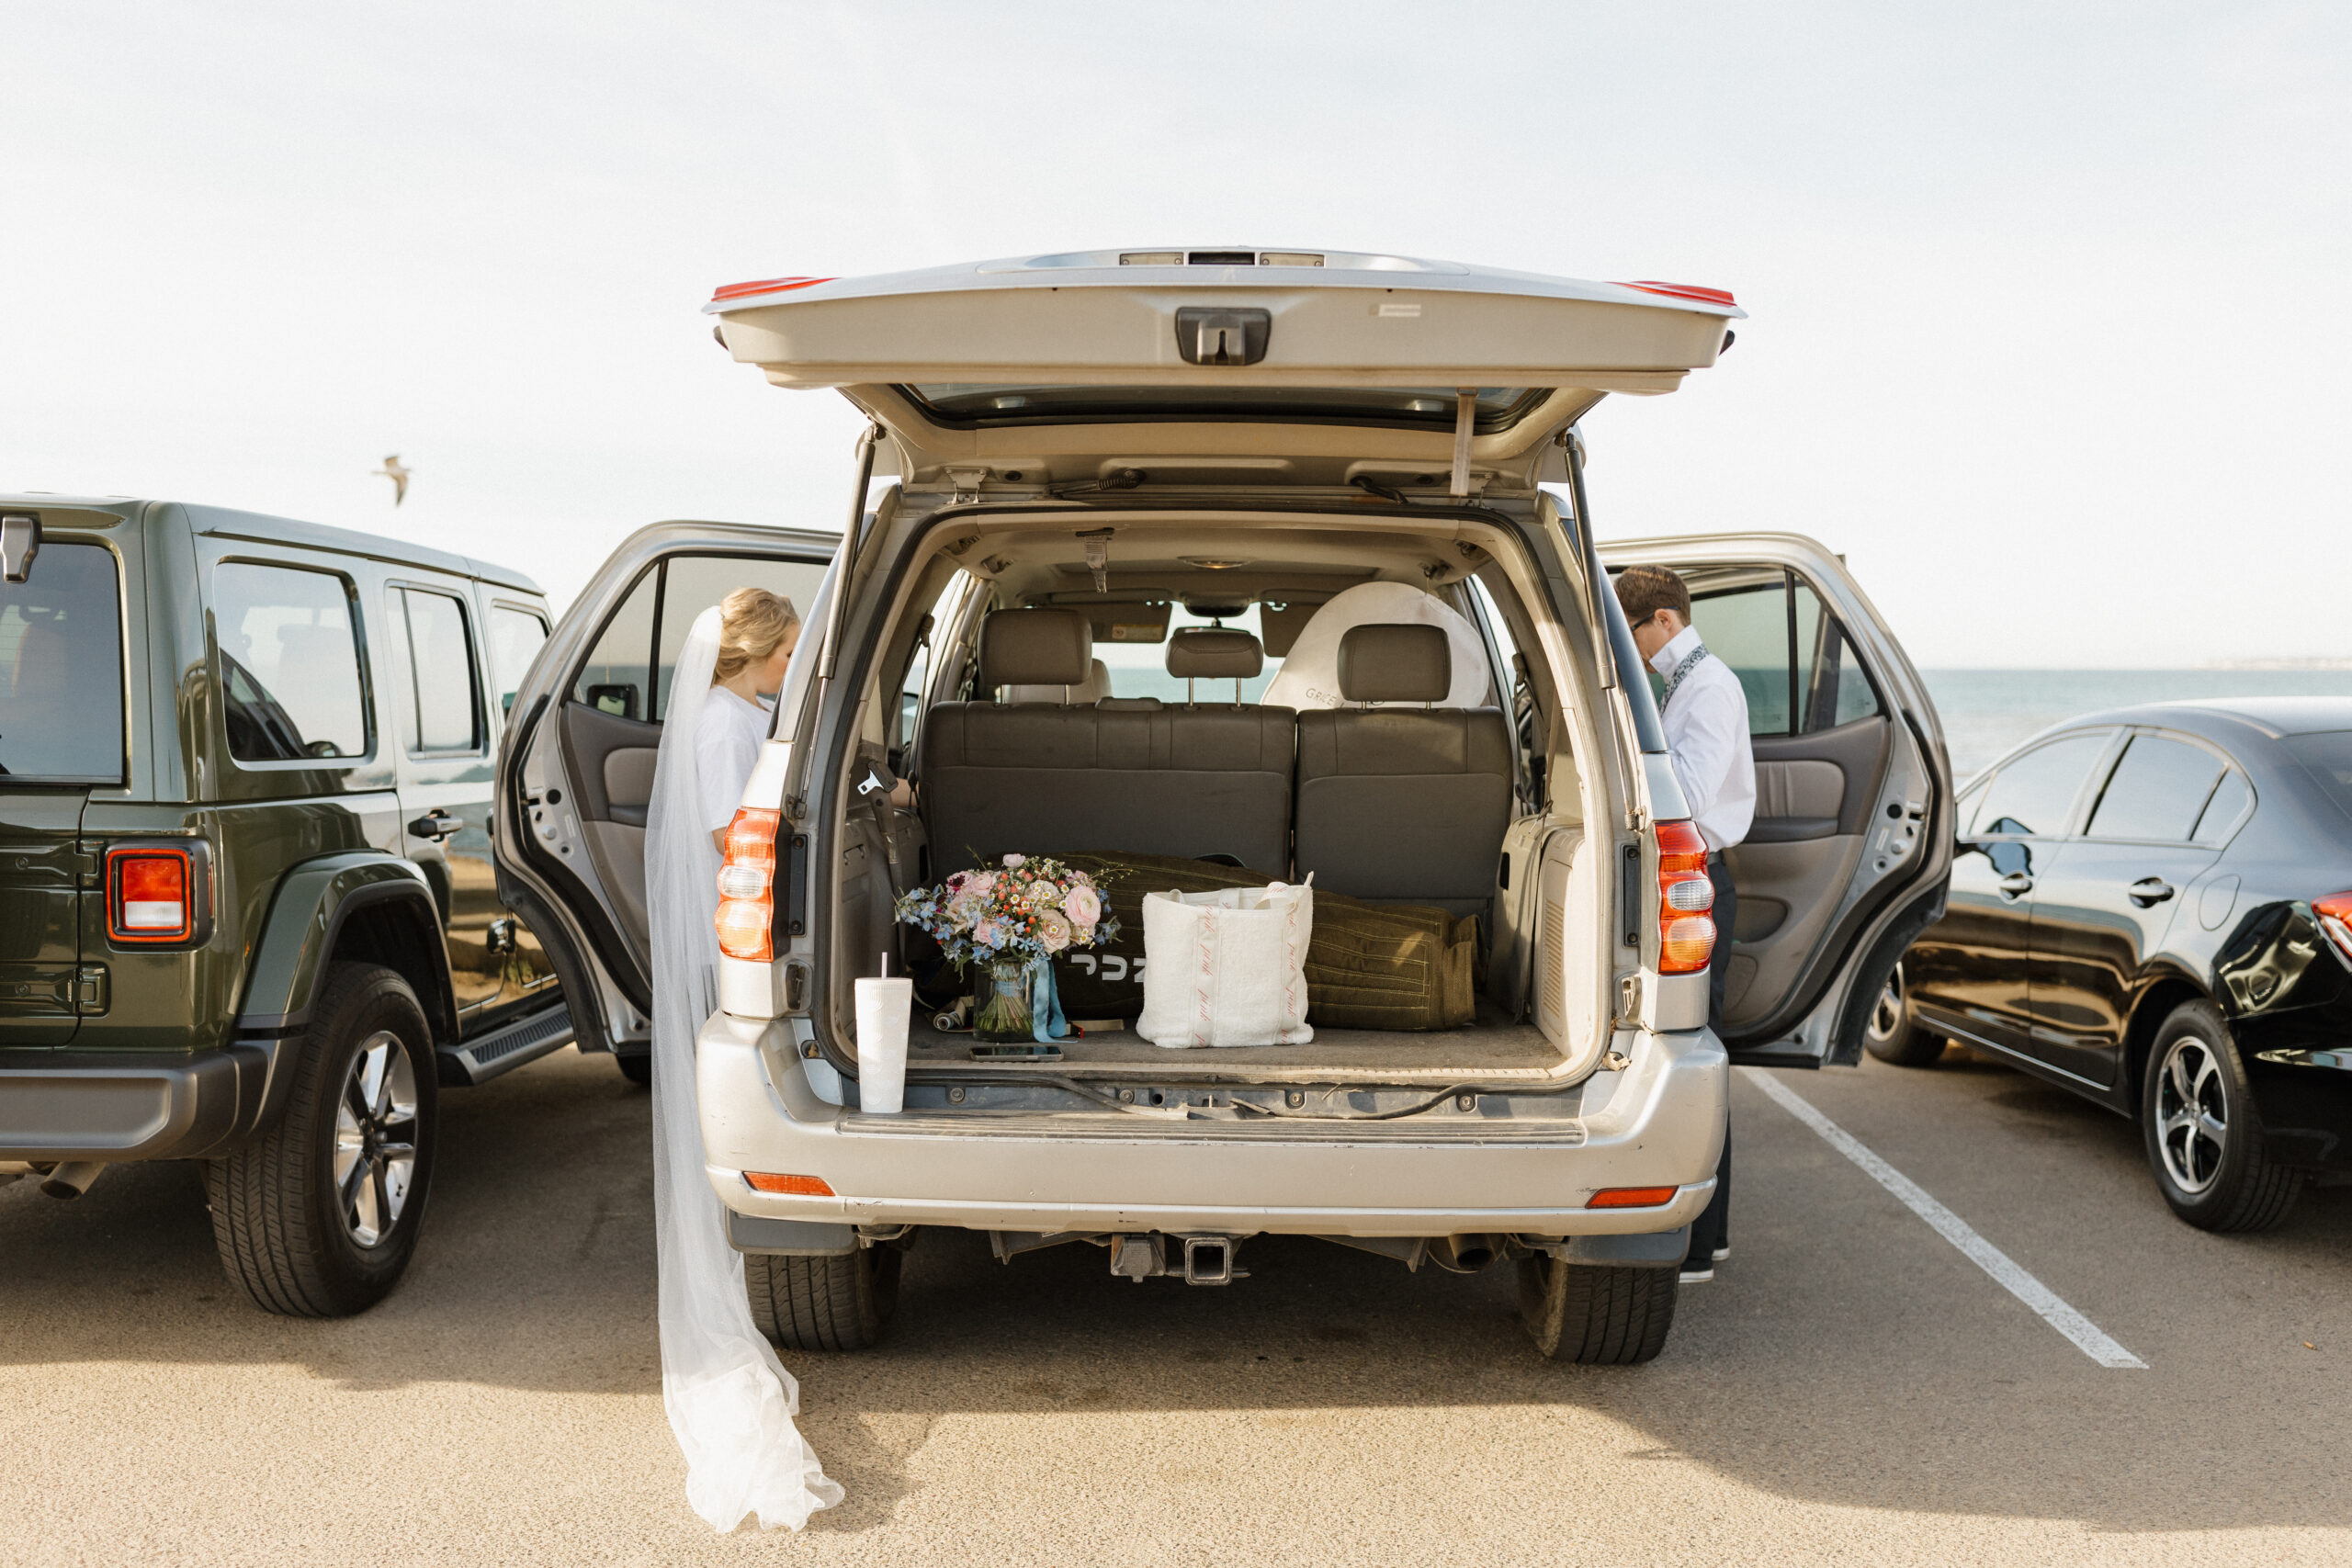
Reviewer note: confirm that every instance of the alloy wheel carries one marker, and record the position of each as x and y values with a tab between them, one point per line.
2192	1115
374	1138
1887	1014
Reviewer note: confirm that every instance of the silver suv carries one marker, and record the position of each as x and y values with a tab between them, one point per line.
1094	455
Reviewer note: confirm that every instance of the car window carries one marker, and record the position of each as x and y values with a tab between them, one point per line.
438	712
2157	791
1748	629
2225	810
1140	668
616	678
1836	690
61	667
515	639
2035	794
290	663
691	585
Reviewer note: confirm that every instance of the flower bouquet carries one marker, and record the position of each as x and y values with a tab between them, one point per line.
1013	918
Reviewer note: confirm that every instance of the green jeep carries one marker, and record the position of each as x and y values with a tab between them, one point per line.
247	909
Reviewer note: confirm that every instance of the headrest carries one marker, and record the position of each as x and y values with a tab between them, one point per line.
1213	653
1394	663
1096	685
1035	648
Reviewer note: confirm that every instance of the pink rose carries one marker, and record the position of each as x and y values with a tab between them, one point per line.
984	933
1016	860
1082	904
1053	932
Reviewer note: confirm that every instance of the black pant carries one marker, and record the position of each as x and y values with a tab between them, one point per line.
1711	1231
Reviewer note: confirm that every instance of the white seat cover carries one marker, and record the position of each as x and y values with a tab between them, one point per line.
1309	677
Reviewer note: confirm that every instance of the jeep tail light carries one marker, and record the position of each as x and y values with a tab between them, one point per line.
2334	915
747	886
1686	934
153	893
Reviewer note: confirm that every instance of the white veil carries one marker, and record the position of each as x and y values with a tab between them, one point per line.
1309	677
730	1401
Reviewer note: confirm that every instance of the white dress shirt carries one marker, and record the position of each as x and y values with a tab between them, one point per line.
1706	732
727	747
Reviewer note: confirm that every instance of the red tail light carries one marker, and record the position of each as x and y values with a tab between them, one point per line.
154	892
2335	913
1685	291
771	286
1686	936
747	886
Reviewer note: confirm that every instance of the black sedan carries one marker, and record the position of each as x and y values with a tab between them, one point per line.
2153	908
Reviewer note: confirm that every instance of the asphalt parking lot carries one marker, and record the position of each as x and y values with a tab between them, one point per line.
1850	1389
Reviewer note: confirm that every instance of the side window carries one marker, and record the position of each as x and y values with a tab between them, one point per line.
925	658
515	639
628	672
1747	627
2157	791
440	711
2226	808
2034	795
1830	675
290	663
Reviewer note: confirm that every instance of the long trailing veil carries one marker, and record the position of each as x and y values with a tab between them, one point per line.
730	1401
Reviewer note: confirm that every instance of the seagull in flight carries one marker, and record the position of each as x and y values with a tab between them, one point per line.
398	472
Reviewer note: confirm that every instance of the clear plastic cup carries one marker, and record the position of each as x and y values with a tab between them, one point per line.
883	1004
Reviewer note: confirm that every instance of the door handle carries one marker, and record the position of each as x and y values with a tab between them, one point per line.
2017	885
2150	890
436	825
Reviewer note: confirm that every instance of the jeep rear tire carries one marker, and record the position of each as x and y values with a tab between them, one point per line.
318	1216
1596	1315
823	1303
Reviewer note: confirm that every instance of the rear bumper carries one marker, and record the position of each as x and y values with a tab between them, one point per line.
116	1105
2304	1095
1661	1126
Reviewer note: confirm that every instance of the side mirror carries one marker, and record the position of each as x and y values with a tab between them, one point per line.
20	543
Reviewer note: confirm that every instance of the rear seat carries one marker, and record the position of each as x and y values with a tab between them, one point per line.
1140	776
1402	804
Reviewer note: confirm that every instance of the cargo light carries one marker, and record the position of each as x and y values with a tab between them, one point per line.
1631	1197
2335	913
153	893
1686	934
746	919
798	1186
1684	291
767	285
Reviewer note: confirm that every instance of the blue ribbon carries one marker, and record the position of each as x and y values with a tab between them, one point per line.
1046	1024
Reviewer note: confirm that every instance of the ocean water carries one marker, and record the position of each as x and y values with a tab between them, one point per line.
1986	712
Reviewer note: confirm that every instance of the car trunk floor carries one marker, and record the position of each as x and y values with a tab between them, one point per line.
1494	1047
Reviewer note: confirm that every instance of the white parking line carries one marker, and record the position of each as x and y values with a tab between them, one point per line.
2087	1336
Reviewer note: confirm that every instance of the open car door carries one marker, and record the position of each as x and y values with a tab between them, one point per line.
1852	848
576	770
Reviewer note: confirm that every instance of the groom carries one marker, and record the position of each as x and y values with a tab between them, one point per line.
1705	715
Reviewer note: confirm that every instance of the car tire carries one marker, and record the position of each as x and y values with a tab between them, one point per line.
318	1216
2203	1135
1596	1315
1892	1033
823	1303
637	1069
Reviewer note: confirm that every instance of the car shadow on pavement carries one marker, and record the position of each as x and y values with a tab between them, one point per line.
1845	1355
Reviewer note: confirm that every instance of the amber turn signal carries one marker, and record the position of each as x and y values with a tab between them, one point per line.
800	1185
1631	1197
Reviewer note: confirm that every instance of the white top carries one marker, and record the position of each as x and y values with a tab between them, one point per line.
1706	732
726	746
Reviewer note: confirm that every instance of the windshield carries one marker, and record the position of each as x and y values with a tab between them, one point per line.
61	665
1498	408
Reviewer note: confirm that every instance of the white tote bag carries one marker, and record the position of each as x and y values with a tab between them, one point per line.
1226	968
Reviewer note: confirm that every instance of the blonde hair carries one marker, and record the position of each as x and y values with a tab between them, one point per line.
754	623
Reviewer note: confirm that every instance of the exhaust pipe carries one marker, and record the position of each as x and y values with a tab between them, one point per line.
72	1178
1467	1254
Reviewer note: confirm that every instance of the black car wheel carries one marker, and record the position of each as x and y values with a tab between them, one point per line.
318	1216
1596	1314
2204	1139
823	1303
1891	1032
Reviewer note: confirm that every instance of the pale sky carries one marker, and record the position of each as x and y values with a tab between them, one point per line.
2048	301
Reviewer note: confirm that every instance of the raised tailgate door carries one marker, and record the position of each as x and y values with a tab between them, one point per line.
1851	847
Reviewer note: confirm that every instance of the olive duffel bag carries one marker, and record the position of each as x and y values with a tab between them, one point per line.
1402	966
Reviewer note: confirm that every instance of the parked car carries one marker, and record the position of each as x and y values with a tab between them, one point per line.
2148	909
1113	453
250	917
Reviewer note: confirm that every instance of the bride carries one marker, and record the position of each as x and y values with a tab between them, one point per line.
729	1400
